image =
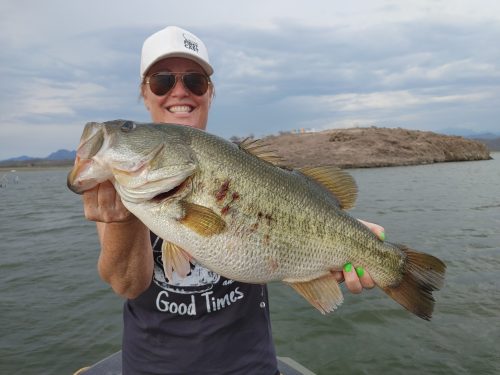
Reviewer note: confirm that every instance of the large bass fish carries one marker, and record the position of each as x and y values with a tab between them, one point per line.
237	211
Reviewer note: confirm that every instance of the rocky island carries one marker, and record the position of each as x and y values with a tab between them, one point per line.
374	147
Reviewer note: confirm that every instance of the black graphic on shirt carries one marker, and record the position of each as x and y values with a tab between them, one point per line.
201	291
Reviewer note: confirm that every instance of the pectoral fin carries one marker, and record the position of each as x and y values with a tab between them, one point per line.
175	259
323	293
202	220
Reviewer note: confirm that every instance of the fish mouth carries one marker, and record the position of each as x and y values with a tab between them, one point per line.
91	142
156	192
78	180
179	190
72	181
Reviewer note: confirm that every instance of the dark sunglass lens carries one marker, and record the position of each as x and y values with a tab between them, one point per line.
160	84
196	83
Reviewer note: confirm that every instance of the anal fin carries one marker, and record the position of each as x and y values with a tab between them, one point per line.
175	259
323	293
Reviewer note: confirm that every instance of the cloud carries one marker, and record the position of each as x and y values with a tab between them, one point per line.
419	109
53	98
279	65
391	100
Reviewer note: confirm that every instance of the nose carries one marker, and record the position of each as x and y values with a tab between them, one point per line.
179	90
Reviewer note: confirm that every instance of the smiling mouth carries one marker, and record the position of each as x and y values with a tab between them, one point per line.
180	109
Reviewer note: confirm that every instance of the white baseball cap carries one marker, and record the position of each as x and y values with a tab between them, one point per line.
173	41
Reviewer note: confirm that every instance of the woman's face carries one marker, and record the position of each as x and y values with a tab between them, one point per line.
179	105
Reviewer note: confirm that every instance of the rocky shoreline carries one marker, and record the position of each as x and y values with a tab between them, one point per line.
374	147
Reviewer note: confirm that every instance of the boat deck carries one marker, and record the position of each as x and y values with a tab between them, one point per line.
112	365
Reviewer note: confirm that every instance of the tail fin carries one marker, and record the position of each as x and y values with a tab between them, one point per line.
423	274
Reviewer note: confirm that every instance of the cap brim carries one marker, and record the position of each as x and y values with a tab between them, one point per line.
206	67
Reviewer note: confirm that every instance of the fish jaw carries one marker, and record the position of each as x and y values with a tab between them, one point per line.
88	171
86	174
151	190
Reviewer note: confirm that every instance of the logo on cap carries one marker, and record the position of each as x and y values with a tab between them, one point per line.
190	44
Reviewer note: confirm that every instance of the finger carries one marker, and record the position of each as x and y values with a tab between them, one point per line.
351	279
90	204
118	201
377	230
364	278
89	197
338	275
106	195
111	204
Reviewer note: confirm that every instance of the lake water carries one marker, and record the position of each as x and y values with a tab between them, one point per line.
56	315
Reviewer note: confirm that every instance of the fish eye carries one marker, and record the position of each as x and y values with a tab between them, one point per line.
127	126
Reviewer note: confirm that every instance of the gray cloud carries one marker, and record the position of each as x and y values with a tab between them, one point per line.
384	65
424	74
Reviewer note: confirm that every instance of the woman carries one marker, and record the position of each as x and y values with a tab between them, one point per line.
204	323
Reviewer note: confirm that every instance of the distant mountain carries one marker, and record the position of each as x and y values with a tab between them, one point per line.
20	158
58	155
58	158
493	143
484	136
62	155
467	133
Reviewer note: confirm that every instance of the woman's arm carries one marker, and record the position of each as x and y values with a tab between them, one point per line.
126	258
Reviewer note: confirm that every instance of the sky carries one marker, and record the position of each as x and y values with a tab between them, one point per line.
280	65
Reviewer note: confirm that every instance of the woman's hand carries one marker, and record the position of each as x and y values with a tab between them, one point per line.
103	204
356	278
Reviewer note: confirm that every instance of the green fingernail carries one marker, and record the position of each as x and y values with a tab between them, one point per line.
382	236
347	267
360	271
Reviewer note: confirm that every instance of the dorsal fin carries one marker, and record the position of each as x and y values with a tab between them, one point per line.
338	182
262	149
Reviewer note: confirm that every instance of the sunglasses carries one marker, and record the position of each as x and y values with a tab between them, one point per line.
161	83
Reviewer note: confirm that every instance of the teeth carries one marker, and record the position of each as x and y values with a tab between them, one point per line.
180	108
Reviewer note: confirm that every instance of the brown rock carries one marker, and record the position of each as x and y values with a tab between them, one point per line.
374	147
